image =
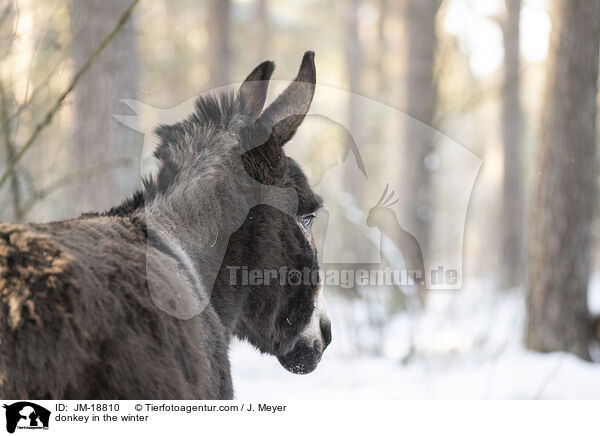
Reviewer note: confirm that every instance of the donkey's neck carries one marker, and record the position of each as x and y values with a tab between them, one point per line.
193	229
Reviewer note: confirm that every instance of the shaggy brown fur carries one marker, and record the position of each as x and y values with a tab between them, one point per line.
49	278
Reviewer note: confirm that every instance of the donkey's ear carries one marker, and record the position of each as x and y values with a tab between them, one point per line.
283	117
253	92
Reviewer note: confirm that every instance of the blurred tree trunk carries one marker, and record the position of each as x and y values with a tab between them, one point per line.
352	178
354	66
559	255
421	98
98	138
14	210
261	20
512	190
6	109
219	50
383	11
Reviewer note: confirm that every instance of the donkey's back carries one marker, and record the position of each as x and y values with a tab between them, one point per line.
76	319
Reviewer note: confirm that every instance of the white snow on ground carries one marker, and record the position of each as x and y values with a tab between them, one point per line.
468	345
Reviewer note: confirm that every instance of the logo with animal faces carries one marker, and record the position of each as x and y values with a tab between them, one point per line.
370	218
25	415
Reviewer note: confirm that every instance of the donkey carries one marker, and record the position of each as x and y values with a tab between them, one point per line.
143	300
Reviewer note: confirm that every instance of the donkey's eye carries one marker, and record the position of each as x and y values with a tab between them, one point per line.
306	221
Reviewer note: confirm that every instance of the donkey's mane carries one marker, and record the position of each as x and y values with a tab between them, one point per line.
176	142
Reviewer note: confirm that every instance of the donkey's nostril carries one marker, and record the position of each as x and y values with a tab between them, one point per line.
326	332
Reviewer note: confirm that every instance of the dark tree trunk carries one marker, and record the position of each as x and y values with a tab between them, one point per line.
512	190
98	138
421	97
559	254
219	50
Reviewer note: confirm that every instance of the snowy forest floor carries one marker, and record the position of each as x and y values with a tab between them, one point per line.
467	345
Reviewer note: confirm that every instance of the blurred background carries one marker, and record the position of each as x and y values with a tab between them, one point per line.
502	92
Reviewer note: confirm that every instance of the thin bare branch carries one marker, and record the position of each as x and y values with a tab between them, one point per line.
58	104
72	178
10	152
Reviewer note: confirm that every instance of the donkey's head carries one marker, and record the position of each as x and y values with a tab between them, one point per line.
283	312
235	213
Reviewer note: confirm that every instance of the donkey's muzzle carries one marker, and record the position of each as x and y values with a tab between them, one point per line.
307	353
302	359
